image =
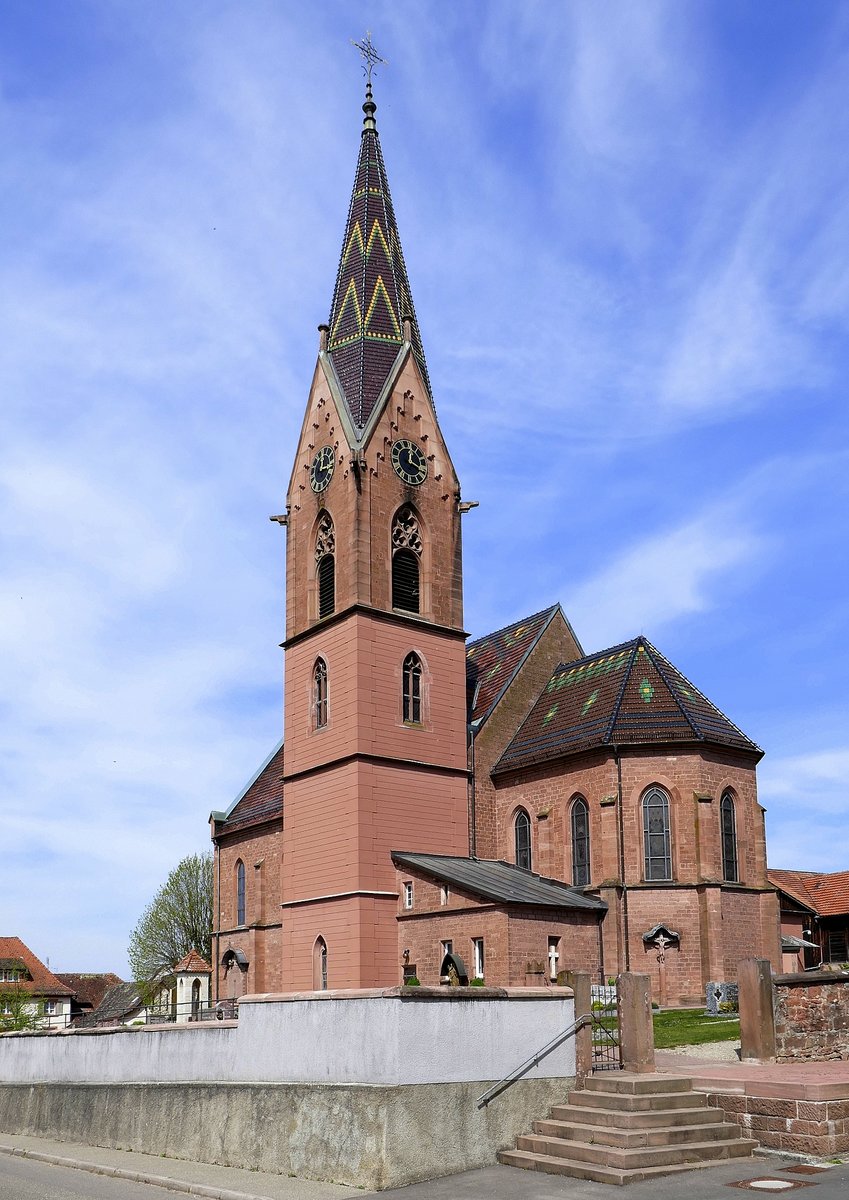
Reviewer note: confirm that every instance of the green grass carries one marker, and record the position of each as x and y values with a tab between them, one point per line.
690	1027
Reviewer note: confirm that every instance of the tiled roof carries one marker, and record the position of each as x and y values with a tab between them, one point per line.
628	695
372	295
492	662
192	962
827	893
498	881
88	990
42	981
120	1001
261	799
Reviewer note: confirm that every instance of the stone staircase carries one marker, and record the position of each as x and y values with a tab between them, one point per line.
621	1128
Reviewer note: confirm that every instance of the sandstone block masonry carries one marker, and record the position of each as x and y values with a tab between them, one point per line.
811	1016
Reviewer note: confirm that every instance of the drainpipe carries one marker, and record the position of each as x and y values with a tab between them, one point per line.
621	824
217	920
470	760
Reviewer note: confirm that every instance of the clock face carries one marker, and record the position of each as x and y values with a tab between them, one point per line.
409	461
321	471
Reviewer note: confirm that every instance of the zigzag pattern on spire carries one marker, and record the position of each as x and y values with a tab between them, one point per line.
372	294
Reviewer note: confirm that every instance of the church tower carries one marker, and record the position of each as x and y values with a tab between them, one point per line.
375	703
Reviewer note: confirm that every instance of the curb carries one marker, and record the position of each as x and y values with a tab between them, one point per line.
163	1181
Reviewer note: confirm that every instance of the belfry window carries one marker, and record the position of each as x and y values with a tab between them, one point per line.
406	560
319	965
728	830
522	835
319	684
657	843
240	893
412	689
325	558
580	842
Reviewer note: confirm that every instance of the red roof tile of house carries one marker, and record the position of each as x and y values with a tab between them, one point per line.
41	981
89	990
492	662
192	962
827	893
262	798
627	695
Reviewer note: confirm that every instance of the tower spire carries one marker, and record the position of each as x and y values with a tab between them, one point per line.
371	300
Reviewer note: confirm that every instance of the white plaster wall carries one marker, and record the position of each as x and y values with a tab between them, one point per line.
370	1040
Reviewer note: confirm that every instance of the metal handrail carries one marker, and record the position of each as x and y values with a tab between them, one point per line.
509	1080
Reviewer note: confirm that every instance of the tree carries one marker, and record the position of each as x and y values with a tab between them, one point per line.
19	1009
177	920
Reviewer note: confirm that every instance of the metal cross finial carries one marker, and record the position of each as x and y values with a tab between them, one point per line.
369	55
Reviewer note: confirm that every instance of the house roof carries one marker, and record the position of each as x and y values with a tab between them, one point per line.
493	661
627	695
260	799
88	990
193	962
42	981
826	892
120	1001
372	295
499	881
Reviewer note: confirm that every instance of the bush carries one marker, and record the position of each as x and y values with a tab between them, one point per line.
477	983
413	981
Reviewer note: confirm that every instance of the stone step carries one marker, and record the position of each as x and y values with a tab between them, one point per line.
640	1102
552	1165
654	1118
628	1159
624	1081
610	1135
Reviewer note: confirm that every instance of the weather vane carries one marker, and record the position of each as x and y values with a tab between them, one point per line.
369	56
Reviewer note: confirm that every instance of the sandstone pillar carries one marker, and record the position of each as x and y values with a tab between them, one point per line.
580	984
757	1020
636	1032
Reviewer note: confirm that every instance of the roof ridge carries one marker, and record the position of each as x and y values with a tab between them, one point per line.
706	699
519	621
654	654
586	658
617	704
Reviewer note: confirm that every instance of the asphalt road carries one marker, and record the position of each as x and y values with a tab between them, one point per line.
25	1179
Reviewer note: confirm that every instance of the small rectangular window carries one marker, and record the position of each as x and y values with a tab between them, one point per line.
408	895
444	894
553	956
447	947
477	946
50	1007
837	945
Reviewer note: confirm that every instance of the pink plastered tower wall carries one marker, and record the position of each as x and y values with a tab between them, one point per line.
366	782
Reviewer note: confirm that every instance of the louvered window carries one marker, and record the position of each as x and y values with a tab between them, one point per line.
580	842
406	556
728	829
657	843
325	548
412	689
319	682
522	835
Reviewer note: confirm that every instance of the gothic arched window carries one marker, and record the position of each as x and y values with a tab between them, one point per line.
240	892
580	842
728	830
657	842
406	560
522	837
411	692
319	965
325	558
319	699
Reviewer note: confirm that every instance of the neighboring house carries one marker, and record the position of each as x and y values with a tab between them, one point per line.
814	908
88	989
122	1004
24	975
527	805
180	996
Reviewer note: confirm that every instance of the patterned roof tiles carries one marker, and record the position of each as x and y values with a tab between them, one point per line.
827	893
262	798
372	294
627	695
492	662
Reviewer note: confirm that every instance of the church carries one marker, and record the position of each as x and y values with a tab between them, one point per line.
515	803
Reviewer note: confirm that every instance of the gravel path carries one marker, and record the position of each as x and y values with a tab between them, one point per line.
714	1051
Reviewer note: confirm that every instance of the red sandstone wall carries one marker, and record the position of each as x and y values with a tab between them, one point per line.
260	849
812	1017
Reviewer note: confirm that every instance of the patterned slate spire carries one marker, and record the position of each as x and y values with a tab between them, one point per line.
372	295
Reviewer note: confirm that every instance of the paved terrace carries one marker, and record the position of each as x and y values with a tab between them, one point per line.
798	1081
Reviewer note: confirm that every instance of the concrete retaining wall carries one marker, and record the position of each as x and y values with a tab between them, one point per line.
375	1090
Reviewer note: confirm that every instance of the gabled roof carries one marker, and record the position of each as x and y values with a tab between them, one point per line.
260	799
825	892
501	882
42	981
120	1001
625	696
493	662
193	962
88	990
372	295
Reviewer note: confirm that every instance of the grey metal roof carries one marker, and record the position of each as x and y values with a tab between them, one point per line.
499	881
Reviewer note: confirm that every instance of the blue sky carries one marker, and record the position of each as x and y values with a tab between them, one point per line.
627	233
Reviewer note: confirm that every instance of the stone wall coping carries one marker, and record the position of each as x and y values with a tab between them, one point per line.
408	994
810	977
108	1030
